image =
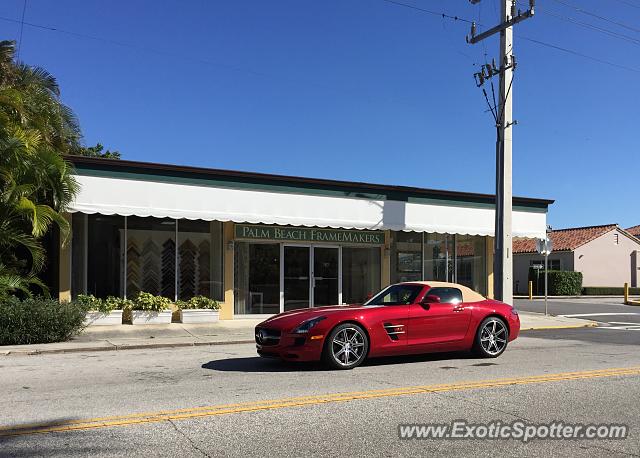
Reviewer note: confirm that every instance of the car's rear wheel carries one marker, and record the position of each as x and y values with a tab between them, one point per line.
491	338
346	347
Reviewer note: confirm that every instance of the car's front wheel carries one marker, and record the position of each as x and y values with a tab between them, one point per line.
346	347
491	338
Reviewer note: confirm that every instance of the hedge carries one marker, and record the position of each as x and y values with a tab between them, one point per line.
37	320
608	291
561	282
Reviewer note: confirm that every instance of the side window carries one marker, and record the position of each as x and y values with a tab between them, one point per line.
447	295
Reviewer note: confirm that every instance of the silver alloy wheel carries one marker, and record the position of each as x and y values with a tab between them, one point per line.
493	336
347	346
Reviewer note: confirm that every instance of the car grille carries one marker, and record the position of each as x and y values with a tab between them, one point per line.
267	337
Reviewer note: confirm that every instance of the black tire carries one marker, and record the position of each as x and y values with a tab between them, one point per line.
492	338
346	346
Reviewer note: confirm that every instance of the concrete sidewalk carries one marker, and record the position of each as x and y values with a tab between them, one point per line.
128	337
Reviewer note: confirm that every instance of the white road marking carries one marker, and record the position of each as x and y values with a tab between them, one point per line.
623	322
598	314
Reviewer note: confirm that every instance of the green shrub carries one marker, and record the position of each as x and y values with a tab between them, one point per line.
89	301
198	302
150	303
565	283
38	320
115	303
94	304
607	291
561	282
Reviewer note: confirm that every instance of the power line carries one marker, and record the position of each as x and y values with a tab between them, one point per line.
596	28
533	40
130	45
194	59
589	13
576	53
24	10
624	2
435	13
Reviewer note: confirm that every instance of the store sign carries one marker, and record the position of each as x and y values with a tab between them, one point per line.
306	234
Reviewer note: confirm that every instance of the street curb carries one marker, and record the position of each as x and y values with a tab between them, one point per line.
119	348
568	326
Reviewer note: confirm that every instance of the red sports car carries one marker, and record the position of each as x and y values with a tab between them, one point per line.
405	318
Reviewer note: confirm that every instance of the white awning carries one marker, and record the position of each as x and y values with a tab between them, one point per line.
127	197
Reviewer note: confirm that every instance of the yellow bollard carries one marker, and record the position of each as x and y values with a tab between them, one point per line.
626	293
530	290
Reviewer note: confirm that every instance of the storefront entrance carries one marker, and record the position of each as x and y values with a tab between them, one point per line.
283	268
311	276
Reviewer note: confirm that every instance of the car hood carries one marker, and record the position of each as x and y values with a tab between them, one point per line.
293	318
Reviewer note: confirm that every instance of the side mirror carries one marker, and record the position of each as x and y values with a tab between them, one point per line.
431	299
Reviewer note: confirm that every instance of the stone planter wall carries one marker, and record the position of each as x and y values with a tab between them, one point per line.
101	319
144	317
198	316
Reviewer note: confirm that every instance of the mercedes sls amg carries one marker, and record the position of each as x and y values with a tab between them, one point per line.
405	318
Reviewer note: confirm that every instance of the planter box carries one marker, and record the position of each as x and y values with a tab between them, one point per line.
144	317
103	319
198	316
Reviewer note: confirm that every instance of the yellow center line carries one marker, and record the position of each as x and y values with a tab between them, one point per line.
227	409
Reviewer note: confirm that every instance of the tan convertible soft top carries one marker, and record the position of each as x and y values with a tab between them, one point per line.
468	295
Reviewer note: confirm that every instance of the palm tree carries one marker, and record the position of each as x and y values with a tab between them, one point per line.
37	184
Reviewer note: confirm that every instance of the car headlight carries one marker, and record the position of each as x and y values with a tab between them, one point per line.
307	325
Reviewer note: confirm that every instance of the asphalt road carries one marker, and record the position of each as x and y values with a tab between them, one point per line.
610	313
54	391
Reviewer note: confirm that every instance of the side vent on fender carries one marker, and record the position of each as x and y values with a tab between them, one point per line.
394	330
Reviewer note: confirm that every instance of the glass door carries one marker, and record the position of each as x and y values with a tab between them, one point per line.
326	276
296	277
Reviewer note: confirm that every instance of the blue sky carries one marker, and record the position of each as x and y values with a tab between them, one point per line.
358	90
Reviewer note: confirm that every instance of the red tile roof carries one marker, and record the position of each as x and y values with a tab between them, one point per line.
564	239
635	231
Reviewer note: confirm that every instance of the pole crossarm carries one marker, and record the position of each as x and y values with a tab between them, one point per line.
473	39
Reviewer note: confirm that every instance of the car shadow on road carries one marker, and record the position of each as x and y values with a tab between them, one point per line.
258	364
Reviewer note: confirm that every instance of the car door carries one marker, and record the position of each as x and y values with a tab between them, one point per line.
445	320
388	329
387	315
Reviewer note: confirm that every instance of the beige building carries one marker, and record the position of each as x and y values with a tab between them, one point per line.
606	255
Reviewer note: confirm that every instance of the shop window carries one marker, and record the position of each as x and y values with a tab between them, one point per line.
97	255
151	261
360	274
406	257
151	256
257	278
439	257
471	269
200	266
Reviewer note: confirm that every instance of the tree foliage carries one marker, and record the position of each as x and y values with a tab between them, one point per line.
36	183
96	151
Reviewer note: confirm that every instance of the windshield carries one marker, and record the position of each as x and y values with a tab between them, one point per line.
396	295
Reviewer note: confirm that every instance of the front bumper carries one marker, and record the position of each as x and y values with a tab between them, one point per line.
289	347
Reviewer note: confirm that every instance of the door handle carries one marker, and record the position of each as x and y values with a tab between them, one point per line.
458	308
